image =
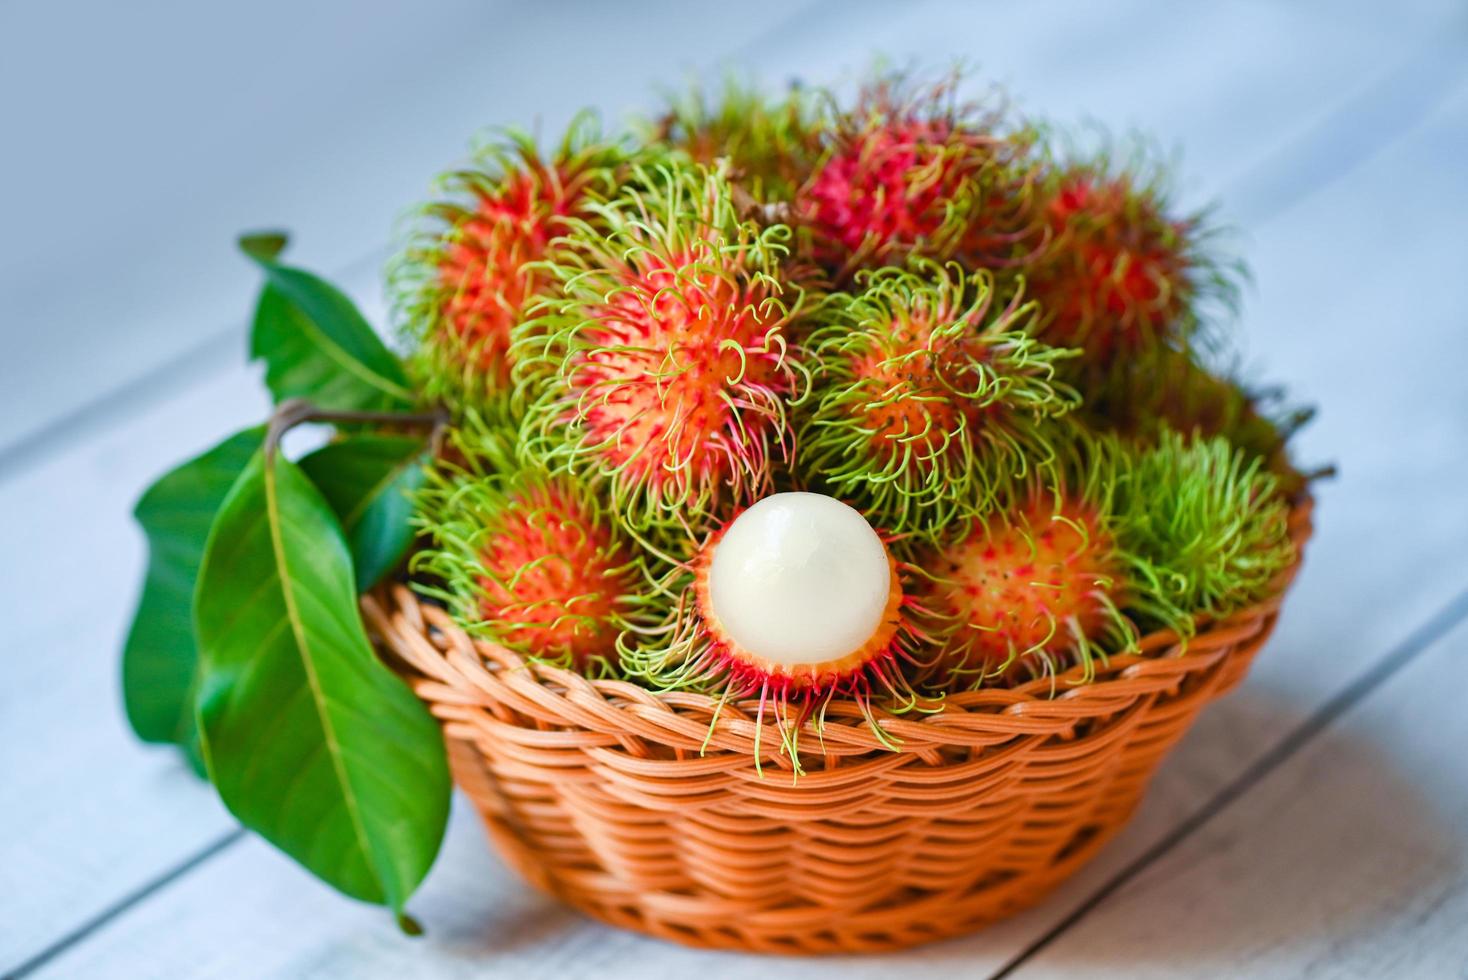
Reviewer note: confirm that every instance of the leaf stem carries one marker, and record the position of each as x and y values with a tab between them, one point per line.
297	411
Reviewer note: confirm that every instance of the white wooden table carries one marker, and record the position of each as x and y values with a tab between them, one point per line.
1315	823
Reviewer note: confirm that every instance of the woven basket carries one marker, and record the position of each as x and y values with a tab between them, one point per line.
624	804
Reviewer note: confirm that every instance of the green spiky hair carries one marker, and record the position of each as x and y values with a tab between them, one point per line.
1207	528
931	395
467	272
662	365
1181	395
525	558
772	144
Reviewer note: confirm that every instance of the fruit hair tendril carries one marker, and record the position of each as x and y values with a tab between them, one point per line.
771	143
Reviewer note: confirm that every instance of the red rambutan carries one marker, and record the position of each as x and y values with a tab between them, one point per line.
932	395
1119	276
530	561
663	365
920	175
1032	588
471	272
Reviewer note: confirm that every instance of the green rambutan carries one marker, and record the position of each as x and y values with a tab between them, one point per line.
470	270
931	395
1206	526
1178	394
663	364
771	144
528	559
1120	275
917	173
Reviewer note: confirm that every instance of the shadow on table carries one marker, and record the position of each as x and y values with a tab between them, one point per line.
1335	845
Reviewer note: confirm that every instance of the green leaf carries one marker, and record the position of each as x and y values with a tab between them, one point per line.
368	480
315	343
264	246
158	659
311	740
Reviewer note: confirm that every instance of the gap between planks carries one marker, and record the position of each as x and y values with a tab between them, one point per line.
141	894
1314	724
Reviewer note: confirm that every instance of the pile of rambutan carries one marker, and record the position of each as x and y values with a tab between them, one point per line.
785	399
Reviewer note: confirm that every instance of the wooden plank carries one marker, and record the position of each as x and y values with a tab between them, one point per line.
1351	860
255	898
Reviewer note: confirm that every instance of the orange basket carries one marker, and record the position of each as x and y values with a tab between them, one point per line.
642	811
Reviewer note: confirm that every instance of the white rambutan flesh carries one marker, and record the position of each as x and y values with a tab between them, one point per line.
800	579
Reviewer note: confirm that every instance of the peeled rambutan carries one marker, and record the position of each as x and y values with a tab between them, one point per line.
1031	589
919	174
932	395
663	365
1120	276
794	601
529	560
469	273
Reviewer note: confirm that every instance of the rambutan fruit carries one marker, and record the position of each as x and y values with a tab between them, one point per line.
1179	394
771	144
931	395
1128	536
470	272
1206	527
528	559
916	173
1028	590
794	601
1121	275
663	365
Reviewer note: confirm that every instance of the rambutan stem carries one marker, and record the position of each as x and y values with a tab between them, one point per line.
298	411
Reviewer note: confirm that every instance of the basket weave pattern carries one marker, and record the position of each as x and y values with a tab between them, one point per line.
643	811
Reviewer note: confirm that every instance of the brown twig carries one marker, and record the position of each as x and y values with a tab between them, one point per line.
297	411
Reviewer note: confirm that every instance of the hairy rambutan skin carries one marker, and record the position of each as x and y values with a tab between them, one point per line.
1031	588
772	144
529	560
932	396
663	364
916	173
1180	395
1122	536
1120	275
469	271
1204	526
690	650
